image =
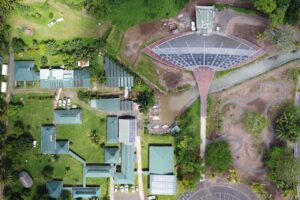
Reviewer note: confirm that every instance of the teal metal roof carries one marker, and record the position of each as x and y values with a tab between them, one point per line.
54	188
106	105
116	76
69	116
161	159
111	155
48	137
24	71
99	171
112	130
85	192
62	147
126	176
163	184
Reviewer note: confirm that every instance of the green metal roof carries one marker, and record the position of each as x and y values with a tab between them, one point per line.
161	159
116	76
54	188
62	147
99	171
112	155
126	176
48	137
24	71
106	105
85	192
68	116
112	130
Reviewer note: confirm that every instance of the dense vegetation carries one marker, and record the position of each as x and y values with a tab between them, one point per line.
254	123
287	126
218	156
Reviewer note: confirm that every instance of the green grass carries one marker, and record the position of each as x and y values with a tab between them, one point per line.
219	74
221	7
37	112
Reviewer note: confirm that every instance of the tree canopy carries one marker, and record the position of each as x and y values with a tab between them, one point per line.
287	126
266	6
218	156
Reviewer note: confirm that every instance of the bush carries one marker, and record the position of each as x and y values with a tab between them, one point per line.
51	15
218	156
254	123
18	44
44	60
47	172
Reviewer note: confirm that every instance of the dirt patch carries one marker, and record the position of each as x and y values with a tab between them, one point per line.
259	105
247	31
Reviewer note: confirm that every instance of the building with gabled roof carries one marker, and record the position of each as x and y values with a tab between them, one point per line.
62	147
99	170
205	19
111	155
127	130
48	138
24	71
54	188
111	104
112	127
161	159
68	116
126	176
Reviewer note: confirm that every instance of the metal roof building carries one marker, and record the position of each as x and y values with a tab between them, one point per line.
68	116
54	188
48	139
112	127
24	71
127	130
162	184
60	78
85	192
111	155
116	76
126	176
111	105
99	171
205	19
161	159
62	147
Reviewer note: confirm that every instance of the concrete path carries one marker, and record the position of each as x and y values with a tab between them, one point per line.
139	166
111	188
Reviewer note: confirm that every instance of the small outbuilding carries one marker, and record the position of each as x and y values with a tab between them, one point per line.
4	69
25	179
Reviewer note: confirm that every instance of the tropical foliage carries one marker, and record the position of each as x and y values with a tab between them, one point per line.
254	123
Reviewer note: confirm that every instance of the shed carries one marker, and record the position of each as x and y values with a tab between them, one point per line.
111	155
106	105
4	69
54	188
161	160
112	130
48	137
25	179
127	130
68	116
85	192
24	71
162	184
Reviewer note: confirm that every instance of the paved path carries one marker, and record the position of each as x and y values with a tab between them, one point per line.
11	73
139	166
111	188
297	145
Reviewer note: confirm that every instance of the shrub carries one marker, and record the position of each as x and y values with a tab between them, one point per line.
47	172
218	156
51	15
18	44
254	123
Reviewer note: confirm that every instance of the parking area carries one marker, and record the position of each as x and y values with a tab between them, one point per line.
220	190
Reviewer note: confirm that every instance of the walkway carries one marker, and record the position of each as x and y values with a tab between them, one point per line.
297	145
11	73
139	166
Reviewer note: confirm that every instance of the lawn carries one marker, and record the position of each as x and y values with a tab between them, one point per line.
37	112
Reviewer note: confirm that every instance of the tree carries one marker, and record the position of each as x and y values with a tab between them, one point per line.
218	156
47	172
282	168
254	123
266	6
292	15
277	17
287	126
18	44
44	60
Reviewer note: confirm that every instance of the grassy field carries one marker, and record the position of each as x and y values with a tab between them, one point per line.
37	112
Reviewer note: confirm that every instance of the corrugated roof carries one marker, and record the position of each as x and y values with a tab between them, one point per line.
54	188
161	160
126	105
48	139
162	184
85	192
68	116
112	155
24	71
205	19
106	105
116	76
126	176
112	130
99	171
127	130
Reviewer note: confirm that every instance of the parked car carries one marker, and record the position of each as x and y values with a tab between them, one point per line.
68	101
116	188
126	188
151	197
122	188
133	189
60	103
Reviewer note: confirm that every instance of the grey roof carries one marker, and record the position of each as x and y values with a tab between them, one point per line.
111	104
48	139
127	130
62	147
112	130
85	192
162	184
112	155
116	76
24	71
205	19
68	116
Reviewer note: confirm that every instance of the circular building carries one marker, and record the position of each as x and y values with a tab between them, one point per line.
25	179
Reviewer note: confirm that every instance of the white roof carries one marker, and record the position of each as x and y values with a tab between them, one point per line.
3	87
68	74
163	184
57	74
44	74
127	131
4	69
